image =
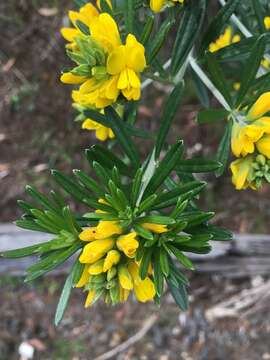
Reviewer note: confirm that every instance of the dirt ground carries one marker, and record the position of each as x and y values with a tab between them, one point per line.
37	132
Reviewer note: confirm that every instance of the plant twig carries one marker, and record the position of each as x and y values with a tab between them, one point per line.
131	341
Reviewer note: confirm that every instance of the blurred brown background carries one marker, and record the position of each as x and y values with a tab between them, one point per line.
37	132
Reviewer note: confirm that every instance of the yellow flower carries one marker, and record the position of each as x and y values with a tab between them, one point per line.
265	63
69	78
261	107
267	22
156	228
125	278
114	68
246	133
90	298
102	132
128	244
88	234
226	39
86	15
263	145
242	170
112	258
96	268
144	289
123	294
106	229
84	277
157	5
95	250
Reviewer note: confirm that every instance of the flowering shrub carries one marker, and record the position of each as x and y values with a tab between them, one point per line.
142	220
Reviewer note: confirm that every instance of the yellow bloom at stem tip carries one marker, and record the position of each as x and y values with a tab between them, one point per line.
102	132
113	67
128	244
226	39
156	228
144	289
158	5
106	229
95	250
242	170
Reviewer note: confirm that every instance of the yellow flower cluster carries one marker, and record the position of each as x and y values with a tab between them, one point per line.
226	39
106	68
158	5
111	67
111	252
250	136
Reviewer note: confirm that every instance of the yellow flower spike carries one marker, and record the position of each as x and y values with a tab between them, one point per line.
263	146
96	268
267	22
69	78
261	107
125	278
128	244
112	258
102	132
226	39
156	228
90	298
144	289
106	229
84	279
95	250
241	170
88	234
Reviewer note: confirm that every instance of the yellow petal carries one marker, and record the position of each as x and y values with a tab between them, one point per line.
125	278
116	61
84	277
88	234
263	146
69	78
135	54
96	268
156	5
261	107
112	258
69	34
95	250
108	228
156	228
267	22
128	244
241	169
90	298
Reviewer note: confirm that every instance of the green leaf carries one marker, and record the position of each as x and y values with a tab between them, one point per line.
197	165
51	262
129	15
159	39
122	135
217	24
30	225
40	199
251	68
136	187
188	31
224	147
147	29
165	167
23	252
200	89
156	219
195	218
217	76
164	262
181	257
211	115
145	262
259	11
170	109
147	203
144	233
158	275
179	294
89	183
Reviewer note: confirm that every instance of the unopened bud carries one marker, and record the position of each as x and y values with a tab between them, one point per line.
260	159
